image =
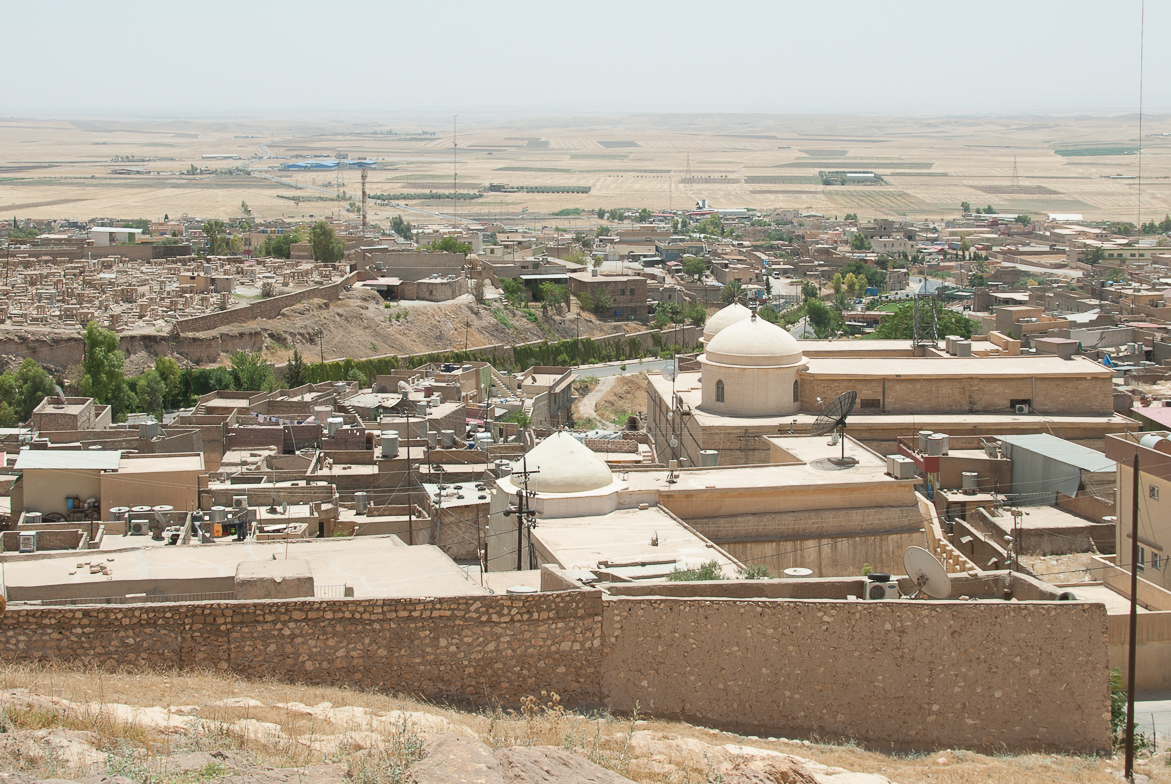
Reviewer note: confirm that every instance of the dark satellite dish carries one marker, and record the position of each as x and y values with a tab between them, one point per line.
833	418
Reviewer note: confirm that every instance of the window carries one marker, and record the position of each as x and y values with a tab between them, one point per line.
1142	558
1156	561
719	391
871	402
796	392
622	292
1153	492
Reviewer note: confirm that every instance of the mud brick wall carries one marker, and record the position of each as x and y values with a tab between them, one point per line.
482	649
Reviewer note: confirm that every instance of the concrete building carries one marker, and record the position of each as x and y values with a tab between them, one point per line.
627	292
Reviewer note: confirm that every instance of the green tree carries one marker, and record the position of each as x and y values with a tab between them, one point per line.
327	248
401	227
23	391
514	290
733	291
838	282
875	278
695	314
965	246
808	290
296	372
900	325
1023	219
102	376
236	244
859	242
554	295
694	267
172	377
217	243
150	390
280	245
820	317
644	215
250	371
451	245
977	280
1094	255
601	214
965	207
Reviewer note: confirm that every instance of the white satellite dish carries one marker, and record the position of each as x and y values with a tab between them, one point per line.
670	371
927	572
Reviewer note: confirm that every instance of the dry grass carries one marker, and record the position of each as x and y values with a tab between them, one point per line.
643	748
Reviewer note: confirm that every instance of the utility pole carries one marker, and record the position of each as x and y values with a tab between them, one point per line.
1133	630
525	517
365	172
454	176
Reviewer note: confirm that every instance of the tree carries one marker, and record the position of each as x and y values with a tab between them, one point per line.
733	291
859	287
217	243
150	391
808	290
694	267
514	290
172	377
327	248
875	278
965	246
1023	219
244	207
859	242
601	216
401	227
236	244
965	207
478	287
450	245
851	216
644	215
695	314
900	325
280	245
820	318
977	280
102	377
1095	255
553	295
250	371
296	372
23	391
838	282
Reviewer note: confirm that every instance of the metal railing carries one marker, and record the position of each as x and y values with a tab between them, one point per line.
211	596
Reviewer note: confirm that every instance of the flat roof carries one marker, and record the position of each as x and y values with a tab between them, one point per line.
1063	451
113	230
68	459
189	461
964	367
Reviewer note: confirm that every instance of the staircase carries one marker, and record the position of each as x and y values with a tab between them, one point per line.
501	383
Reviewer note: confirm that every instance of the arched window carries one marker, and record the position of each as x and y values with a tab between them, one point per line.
796	392
719	391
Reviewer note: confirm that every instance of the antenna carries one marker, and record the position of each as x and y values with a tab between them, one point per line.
454	151
928	573
833	418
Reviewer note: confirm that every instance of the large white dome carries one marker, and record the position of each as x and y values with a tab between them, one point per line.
566	466
728	316
753	342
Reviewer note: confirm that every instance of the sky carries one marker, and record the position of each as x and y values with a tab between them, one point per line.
126	58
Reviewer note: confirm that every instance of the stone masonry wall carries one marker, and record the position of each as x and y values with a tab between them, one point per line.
482	649
978	676
268	308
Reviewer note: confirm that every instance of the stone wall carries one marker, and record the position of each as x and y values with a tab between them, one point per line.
977	676
482	649
986	676
268	308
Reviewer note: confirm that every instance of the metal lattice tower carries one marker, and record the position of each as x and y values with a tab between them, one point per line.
926	322
1016	180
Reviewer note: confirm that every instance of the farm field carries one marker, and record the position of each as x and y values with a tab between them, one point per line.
138	168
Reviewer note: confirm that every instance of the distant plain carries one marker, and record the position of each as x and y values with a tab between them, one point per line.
1086	165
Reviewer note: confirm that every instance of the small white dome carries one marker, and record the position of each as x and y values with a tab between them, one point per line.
728	316
754	342
566	466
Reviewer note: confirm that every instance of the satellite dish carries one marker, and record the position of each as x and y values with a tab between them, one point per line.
927	572
670	372
833	418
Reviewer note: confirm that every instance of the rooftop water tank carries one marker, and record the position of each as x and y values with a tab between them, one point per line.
389	443
360	503
971	482
935	445
708	458
923	436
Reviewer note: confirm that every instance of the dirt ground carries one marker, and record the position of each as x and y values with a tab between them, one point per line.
643	748
362	325
611	402
929	165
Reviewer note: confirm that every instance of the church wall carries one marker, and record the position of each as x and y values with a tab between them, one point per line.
828	557
750	391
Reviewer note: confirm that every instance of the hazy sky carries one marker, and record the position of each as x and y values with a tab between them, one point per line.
69	58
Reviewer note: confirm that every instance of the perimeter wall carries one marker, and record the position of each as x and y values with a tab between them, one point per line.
976	675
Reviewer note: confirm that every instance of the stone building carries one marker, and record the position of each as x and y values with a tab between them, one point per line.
628	293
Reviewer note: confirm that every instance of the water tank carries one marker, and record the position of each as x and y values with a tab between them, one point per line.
518	590
331	426
923	436
1154	441
162	508
971	483
32	518
217	514
963	348
945	441
432	439
708	458
389	443
447	439
503	468
119	513
139	510
360	503
421	408
798	573
148	430
901	467
935	445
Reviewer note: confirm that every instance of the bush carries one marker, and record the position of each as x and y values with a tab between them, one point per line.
708	571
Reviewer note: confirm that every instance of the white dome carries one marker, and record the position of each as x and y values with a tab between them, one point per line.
728	316
566	466
753	342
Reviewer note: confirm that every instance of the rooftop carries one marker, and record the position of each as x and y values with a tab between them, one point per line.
69	460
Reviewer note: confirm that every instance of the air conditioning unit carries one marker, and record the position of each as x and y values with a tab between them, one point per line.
881	591
27	542
1021	408
240	501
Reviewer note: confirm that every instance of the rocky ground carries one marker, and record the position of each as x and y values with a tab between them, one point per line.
59	725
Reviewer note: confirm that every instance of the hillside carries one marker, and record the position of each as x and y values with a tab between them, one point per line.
58	722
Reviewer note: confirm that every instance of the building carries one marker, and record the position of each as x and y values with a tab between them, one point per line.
105	235
627	292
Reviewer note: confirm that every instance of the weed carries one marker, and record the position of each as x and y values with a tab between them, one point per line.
373	346
126	759
503	319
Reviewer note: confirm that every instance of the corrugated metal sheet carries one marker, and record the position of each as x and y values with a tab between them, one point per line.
1044	465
